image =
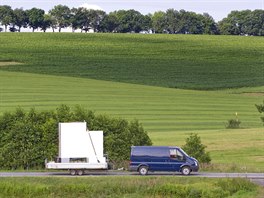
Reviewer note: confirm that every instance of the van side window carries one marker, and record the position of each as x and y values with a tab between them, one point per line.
173	153
179	155
176	154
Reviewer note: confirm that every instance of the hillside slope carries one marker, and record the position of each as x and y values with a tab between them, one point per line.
175	61
159	109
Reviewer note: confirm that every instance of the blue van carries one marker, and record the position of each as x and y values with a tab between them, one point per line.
161	158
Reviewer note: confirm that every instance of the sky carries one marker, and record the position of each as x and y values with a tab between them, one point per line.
218	9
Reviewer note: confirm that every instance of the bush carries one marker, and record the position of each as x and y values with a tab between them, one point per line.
260	109
233	124
28	138
196	149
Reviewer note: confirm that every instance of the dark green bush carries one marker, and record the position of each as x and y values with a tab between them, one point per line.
28	138
196	149
233	124
260	109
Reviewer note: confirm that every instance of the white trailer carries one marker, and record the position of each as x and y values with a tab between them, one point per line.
79	149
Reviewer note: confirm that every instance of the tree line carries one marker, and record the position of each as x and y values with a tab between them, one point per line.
244	22
28	138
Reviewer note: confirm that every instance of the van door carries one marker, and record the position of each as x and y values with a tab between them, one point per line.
159	160
177	159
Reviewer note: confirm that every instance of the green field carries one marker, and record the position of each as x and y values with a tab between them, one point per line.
177	61
168	186
66	66
169	115
159	109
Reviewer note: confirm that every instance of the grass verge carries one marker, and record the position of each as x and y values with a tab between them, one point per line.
127	187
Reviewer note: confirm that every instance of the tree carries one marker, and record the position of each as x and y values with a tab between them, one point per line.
61	14
172	20
260	109
147	23
190	23
210	26
47	22
129	21
76	18
35	18
20	18
6	15
81	18
235	23
96	17
109	23
255	23
196	149
159	23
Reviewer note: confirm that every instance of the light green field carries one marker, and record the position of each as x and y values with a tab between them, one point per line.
159	109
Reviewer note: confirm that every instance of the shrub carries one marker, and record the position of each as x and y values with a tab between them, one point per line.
196	149
260	109
233	124
28	138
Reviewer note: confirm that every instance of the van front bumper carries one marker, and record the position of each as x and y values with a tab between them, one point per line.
195	168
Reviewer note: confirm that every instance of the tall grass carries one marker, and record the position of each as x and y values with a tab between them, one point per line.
176	61
127	187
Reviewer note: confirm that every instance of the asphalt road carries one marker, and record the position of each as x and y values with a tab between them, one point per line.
257	178
124	173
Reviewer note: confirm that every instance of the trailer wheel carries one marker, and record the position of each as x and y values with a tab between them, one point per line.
73	172
80	172
186	170
143	170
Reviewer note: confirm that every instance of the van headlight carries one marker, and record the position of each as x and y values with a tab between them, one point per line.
195	163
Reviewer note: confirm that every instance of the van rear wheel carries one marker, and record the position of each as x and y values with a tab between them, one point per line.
143	170
186	170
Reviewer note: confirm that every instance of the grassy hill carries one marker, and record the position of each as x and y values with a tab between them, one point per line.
110	73
176	61
160	109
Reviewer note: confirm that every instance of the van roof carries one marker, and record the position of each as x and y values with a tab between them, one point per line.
155	147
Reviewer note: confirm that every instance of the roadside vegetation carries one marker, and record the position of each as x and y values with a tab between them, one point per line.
133	186
27	139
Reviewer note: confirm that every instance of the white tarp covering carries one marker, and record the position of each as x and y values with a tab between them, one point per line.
76	142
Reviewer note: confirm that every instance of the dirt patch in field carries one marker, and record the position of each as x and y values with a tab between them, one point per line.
253	94
9	63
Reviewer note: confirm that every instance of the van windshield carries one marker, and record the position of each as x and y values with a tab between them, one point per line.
183	152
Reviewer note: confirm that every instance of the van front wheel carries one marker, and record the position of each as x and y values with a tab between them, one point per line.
143	170
186	170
